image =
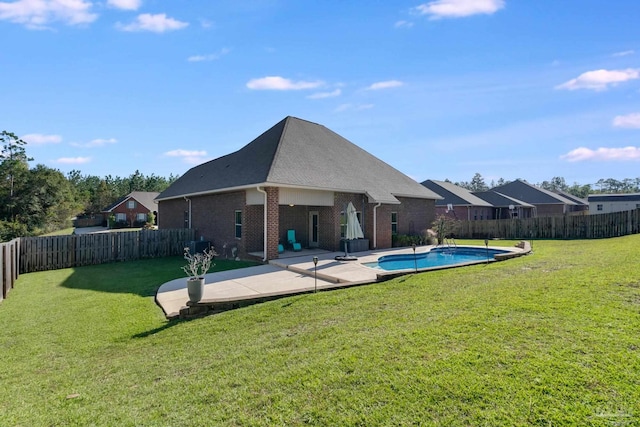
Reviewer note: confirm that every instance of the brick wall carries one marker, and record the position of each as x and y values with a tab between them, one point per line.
295	218
213	218
171	213
273	222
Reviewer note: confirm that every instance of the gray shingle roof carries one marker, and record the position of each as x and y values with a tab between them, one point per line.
454	194
302	154
145	198
499	200
625	197
531	194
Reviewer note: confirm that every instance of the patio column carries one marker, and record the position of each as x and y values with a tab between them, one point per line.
273	222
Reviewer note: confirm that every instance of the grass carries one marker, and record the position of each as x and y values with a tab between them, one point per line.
548	339
62	232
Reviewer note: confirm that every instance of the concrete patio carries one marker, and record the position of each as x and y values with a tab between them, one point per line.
292	274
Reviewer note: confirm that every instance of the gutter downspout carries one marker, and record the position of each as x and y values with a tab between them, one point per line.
189	215
264	258
375	225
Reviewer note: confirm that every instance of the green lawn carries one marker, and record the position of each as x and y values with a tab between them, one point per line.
550	339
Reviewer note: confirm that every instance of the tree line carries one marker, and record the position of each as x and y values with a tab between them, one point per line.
38	200
558	184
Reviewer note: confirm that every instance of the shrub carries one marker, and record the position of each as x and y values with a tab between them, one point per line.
403	240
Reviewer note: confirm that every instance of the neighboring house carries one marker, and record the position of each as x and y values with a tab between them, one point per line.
546	203
505	207
299	176
582	205
607	203
458	202
133	209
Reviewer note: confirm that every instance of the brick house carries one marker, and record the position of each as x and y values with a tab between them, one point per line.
545	202
133	209
300	176
459	203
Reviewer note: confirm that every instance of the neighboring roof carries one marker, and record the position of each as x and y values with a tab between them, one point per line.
453	194
627	197
500	200
145	198
531	194
573	198
301	154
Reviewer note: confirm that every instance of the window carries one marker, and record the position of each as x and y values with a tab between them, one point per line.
121	217
141	217
637	205
599	207
131	204
238	224
394	223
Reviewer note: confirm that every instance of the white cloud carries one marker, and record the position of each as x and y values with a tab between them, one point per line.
403	24
351	107
193	157
158	23
322	95
205	23
602	154
280	83
600	79
73	160
125	4
209	57
37	14
385	85
40	139
627	121
624	53
99	142
458	8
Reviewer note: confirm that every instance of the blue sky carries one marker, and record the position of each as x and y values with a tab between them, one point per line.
438	89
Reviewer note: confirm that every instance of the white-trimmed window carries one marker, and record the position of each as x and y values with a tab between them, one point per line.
131	204
141	217
238	219
394	223
121	217
599	207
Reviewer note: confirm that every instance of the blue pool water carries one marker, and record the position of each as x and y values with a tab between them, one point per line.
437	257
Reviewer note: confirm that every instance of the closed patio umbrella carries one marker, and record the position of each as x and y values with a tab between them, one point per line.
353	231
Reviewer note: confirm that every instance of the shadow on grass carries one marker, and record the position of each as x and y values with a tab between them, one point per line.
141	277
168	324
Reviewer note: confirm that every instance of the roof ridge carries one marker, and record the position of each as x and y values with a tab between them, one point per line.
276	155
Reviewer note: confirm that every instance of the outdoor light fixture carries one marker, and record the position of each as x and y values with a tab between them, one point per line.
415	261
315	274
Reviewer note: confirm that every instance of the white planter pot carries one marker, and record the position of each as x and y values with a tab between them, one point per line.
195	288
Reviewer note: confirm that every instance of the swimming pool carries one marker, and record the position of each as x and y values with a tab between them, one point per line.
437	257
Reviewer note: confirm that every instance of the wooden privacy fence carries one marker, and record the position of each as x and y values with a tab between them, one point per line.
55	252
9	255
554	227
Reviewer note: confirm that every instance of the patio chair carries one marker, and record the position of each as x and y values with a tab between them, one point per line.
291	238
